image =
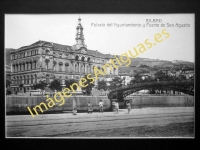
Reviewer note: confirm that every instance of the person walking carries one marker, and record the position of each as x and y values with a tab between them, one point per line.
117	107
90	108
74	111
128	107
101	106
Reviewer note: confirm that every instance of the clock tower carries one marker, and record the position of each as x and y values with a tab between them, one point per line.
80	44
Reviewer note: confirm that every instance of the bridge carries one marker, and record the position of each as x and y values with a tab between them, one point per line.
184	86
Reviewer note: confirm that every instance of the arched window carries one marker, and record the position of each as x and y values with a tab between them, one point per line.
26	66
16	68
18	55
13	80
17	80
19	67
47	52
13	69
60	66
93	69
66	67
27	80
83	58
35	78
54	65
47	79
33	65
83	68
47	64
76	58
24	80
22	67
31	79
88	69
76	68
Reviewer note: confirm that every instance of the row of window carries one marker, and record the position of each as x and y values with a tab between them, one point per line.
24	54
27	88
88	59
24	81
24	67
82	69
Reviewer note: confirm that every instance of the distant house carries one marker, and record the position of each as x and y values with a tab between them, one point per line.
126	78
188	72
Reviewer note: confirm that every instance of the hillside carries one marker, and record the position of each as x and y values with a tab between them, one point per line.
8	50
146	65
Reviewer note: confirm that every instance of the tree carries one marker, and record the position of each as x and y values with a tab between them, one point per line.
40	85
137	78
102	85
181	77
55	85
8	82
160	75
89	87
70	82
116	82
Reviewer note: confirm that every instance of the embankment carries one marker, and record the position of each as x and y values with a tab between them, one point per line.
19	104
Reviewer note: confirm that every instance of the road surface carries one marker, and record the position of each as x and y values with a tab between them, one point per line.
47	125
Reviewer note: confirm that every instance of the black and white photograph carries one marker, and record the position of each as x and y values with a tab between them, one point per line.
99	75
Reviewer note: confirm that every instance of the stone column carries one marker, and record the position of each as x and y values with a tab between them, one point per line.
28	66
11	67
63	67
86	68
35	65
51	64
72	66
29	79
91	68
32	65
16	68
13	70
79	67
23	66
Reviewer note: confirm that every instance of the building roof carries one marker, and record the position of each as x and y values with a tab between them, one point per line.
67	48
98	54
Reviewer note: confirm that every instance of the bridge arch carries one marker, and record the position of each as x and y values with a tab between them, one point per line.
186	87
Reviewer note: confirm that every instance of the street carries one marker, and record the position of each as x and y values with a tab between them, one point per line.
48	125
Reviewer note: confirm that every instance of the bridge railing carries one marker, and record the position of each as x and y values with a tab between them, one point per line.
175	82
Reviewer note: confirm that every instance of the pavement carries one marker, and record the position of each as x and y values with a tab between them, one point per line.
51	125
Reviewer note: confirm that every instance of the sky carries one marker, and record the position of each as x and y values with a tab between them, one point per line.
25	29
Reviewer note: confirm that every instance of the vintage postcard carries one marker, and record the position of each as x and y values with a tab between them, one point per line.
99	75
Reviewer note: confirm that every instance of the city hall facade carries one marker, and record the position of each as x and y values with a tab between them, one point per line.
47	61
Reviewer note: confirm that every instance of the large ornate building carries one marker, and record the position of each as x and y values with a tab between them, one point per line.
48	61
